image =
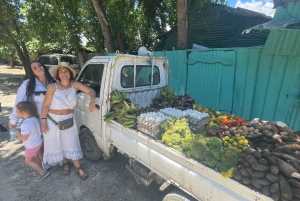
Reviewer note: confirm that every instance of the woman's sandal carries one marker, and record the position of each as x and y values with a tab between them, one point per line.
66	171
84	176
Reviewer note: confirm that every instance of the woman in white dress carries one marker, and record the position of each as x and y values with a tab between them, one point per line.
62	142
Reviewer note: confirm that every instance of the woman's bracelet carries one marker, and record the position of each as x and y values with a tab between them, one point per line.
43	118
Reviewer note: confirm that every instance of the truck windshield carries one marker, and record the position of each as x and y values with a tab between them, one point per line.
143	76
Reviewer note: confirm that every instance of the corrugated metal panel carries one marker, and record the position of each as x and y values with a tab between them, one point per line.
283	42
293	12
210	78
245	81
178	73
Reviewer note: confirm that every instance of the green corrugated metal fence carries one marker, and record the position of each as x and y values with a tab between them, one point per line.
248	82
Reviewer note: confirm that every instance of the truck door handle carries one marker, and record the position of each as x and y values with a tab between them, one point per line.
97	106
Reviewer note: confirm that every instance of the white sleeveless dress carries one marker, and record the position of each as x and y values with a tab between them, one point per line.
59	144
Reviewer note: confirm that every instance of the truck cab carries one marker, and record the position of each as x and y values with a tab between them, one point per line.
141	77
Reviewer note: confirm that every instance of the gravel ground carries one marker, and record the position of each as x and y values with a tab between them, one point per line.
108	180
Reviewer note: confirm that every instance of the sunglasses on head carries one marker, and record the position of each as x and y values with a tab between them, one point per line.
37	93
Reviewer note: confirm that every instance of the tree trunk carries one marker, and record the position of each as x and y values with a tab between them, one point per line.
12	62
104	25
25	61
80	57
182	29
121	42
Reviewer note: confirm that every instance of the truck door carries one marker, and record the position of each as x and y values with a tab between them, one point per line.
91	77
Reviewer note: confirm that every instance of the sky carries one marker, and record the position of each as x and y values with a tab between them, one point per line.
263	6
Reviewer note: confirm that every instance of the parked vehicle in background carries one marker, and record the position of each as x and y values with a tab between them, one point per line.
51	61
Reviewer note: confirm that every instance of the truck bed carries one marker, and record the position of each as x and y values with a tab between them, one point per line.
183	172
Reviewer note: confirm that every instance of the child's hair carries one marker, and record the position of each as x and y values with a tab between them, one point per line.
28	107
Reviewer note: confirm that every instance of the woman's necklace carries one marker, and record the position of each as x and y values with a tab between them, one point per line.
64	86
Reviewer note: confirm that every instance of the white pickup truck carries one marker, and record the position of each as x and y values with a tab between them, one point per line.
141	77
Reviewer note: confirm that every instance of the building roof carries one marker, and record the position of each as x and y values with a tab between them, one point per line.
222	31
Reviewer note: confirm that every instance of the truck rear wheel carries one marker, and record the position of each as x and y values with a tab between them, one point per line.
90	149
178	195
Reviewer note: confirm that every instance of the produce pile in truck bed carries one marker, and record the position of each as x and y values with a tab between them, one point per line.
264	156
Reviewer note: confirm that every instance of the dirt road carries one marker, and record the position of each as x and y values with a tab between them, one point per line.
108	180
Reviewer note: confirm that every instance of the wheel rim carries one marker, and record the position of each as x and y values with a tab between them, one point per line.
87	145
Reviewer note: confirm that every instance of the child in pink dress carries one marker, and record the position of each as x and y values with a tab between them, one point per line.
31	136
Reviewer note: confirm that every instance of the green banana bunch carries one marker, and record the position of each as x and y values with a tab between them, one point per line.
117	97
109	116
129	123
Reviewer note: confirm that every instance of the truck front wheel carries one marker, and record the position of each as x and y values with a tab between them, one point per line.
178	195
90	149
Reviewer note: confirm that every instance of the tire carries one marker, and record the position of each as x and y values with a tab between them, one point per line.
90	149
178	195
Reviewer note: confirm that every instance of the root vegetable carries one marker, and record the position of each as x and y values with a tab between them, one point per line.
258	174
267	133
250	170
289	146
285	151
294	164
283	133
246	180
263	161
296	192
284	199
251	159
289	138
286	169
267	156
237	175
260	167
266	191
284	156
249	151
285	188
245	173
275	196
277	138
257	154
251	129
272	177
247	164
274	169
274	188
256	185
263	182
294	183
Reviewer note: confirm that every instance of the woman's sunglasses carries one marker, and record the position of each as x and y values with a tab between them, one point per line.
37	93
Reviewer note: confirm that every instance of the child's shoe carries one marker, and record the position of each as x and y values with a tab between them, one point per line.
41	177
